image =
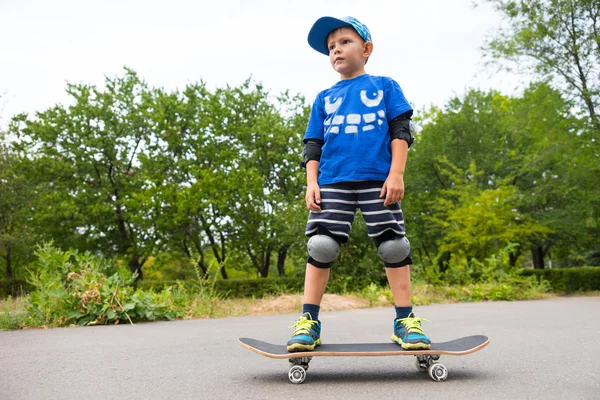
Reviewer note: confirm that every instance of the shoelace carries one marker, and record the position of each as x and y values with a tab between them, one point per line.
413	325
303	326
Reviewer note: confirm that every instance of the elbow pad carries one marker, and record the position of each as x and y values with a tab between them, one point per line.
312	151
402	128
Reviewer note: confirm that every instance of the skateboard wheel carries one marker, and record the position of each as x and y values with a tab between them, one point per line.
297	374
438	372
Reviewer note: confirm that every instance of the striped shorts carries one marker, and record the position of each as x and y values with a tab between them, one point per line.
338	207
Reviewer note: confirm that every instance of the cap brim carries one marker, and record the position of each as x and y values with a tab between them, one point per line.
319	31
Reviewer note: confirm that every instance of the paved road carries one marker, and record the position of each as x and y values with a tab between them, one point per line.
539	349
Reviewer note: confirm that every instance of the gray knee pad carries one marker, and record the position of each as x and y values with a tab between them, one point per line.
395	250
323	249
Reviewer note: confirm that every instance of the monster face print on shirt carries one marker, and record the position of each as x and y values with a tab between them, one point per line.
352	119
351	123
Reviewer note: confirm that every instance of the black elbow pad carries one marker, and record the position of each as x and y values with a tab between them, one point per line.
402	128
312	151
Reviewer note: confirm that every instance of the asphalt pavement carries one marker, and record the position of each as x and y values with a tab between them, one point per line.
547	349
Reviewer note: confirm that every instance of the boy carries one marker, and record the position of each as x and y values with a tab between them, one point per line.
356	145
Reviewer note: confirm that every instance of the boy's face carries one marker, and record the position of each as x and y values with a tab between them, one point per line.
348	52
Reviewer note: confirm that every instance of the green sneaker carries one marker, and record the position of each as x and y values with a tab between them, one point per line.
307	334
409	334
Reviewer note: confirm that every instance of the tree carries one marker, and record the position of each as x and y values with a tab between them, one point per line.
478	222
84	156
222	173
16	199
561	41
531	142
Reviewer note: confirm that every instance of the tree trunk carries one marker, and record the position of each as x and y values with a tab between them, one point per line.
266	263
9	273
538	253
281	255
262	265
135	265
223	271
220	256
512	257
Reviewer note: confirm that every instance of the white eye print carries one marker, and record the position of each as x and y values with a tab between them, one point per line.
330	107
371	102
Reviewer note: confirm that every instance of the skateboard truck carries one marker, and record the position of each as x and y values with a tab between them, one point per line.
428	363
298	368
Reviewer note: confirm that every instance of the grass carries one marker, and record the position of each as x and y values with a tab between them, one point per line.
14	315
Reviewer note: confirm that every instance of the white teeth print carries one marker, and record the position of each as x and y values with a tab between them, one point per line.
338	120
370	102
334	129
368	128
381	113
369	117
330	107
351	129
353	119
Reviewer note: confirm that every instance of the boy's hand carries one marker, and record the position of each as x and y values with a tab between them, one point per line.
313	197
393	189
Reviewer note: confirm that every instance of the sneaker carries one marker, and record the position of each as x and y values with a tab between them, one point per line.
307	334
409	334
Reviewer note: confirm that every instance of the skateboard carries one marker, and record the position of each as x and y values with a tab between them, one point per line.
426	360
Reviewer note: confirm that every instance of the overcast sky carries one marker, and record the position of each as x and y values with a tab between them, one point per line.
431	47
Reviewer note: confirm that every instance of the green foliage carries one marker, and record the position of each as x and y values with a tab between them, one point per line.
199	178
372	293
17	197
489	169
568	280
14	288
11	315
238	288
555	39
84	289
472	221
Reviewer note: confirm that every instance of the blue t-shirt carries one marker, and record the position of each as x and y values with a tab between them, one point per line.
352	119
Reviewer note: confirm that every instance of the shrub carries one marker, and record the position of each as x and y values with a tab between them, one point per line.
568	280
14	288
84	289
234	288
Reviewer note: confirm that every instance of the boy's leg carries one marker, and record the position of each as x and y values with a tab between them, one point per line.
399	280
315	283
327	230
307	332
408	332
386	226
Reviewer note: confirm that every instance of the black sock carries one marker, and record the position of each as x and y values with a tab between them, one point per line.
403	312
312	309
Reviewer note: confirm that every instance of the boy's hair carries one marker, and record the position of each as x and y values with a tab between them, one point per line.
317	37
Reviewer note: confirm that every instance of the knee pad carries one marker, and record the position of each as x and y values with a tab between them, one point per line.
395	250
323	249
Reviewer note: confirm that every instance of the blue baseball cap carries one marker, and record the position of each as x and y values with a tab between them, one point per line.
318	33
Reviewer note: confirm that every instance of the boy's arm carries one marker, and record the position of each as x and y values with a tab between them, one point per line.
313	192
393	187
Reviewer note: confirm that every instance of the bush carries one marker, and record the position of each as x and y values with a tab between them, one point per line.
568	280
83	289
14	288
237	288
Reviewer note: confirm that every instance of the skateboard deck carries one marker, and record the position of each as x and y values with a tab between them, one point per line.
426	360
